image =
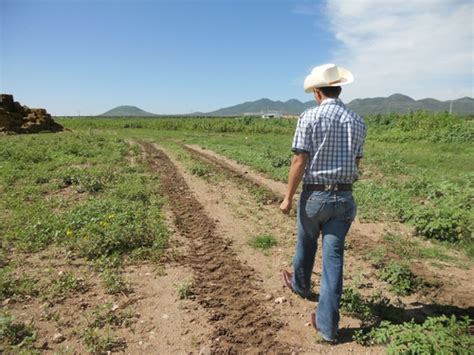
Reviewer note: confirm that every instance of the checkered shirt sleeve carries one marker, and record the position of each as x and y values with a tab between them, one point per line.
302	140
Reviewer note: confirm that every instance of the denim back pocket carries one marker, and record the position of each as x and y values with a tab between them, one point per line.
350	209
315	203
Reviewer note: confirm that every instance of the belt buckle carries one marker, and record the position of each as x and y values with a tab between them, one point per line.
330	187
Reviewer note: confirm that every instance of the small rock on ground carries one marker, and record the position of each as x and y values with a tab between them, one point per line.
280	300
58	338
205	351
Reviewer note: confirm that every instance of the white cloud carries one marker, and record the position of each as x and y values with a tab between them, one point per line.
422	48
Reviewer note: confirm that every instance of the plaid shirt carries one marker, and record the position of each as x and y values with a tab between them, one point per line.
333	136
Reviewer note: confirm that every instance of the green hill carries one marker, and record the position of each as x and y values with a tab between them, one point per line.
403	104
397	103
258	107
127	111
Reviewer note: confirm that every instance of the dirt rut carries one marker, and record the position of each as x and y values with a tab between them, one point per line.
222	284
274	189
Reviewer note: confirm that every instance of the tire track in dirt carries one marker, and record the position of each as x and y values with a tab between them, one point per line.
222	284
273	189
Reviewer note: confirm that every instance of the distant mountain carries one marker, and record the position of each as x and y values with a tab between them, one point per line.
402	104
397	103
292	106
127	111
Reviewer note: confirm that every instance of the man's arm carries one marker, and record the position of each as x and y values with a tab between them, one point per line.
297	168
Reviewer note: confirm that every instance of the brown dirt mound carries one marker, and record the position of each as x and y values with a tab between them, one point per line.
222	284
21	119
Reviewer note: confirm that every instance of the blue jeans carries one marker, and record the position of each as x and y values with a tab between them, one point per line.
330	213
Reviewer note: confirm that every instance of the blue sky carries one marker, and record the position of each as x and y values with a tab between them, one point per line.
181	56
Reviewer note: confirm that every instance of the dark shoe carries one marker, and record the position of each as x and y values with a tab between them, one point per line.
315	326
287	276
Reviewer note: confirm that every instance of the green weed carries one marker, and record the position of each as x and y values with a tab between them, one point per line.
65	284
109	226
97	342
185	290
107	315
401	279
114	283
437	335
200	170
260	194
377	256
13	286
15	334
369	310
412	248
263	242
353	305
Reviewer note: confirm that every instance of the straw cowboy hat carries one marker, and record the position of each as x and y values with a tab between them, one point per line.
327	75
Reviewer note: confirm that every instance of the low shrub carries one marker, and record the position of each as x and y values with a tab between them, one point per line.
401	279
437	335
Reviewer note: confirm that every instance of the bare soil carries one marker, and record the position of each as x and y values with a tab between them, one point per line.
223	285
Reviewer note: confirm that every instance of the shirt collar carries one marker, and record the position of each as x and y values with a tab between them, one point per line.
330	100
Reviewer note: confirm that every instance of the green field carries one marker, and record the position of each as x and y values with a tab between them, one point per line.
87	194
418	168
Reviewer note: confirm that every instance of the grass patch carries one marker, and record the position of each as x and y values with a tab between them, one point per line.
15	335
185	290
14	286
102	206
109	268
114	283
437	335
263	242
384	325
200	170
401	279
412	248
110	315
370	310
353	305
260	194
65	284
102	341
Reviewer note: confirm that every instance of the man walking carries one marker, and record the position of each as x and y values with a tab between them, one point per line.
328	145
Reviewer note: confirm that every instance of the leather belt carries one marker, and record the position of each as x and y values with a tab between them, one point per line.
328	187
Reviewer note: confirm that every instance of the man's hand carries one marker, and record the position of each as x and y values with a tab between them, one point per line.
298	164
285	206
